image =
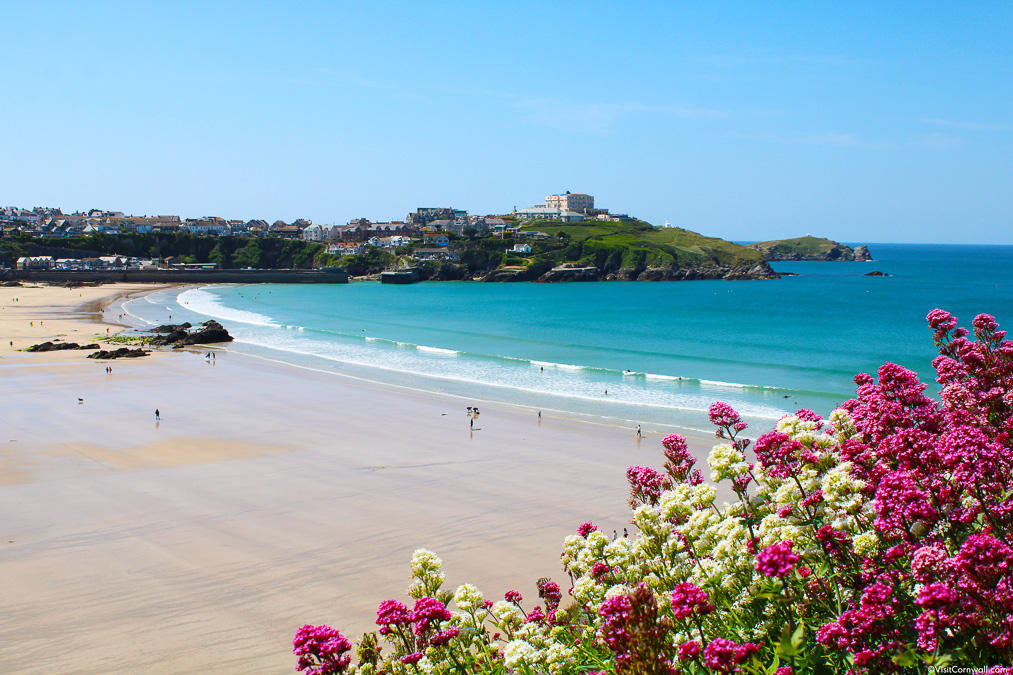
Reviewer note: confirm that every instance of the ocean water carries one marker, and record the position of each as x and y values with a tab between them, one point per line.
662	351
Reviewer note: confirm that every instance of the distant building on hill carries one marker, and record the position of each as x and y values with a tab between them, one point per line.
569	201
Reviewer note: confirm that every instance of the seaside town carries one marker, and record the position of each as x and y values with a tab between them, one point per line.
431	232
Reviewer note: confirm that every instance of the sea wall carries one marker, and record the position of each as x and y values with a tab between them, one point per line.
332	275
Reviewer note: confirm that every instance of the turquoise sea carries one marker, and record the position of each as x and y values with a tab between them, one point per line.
663	351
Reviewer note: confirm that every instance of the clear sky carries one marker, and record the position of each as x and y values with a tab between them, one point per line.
867	121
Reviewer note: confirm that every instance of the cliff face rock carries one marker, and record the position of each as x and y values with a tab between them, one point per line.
760	270
503	275
862	253
571	274
210	333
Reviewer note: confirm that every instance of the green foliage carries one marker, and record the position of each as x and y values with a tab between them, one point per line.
807	245
250	255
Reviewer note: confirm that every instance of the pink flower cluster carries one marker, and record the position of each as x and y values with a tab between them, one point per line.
940	476
637	633
777	560
321	650
689	599
646	485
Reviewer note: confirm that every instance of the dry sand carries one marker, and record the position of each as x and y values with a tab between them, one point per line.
265	498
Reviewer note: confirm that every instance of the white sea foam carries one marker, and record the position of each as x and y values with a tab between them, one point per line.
437	350
204	302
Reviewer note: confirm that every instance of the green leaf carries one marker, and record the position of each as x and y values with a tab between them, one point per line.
798	637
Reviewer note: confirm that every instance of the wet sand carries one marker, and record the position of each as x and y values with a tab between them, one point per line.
266	497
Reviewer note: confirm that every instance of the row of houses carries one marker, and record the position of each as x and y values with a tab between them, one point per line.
48	262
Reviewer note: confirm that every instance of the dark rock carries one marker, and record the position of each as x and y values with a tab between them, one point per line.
121	353
52	347
862	253
876	273
171	338
172	327
210	333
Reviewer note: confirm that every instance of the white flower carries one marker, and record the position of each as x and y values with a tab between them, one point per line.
726	462
866	543
519	652
468	598
507	613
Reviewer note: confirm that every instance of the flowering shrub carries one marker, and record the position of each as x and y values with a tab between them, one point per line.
876	540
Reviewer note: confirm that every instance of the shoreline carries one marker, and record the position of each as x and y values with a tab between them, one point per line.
267	496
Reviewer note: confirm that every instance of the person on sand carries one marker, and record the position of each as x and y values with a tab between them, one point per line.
157	416
638	431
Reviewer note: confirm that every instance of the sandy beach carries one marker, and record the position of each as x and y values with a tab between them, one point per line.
264	498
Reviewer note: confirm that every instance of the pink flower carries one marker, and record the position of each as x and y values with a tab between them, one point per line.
535	616
687	599
723	415
720	655
776	560
414	657
646	485
678	460
586	528
321	650
935	596
391	612
428	612
599	570
513	596
689	650
443	637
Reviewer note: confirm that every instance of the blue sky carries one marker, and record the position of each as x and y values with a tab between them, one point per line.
858	121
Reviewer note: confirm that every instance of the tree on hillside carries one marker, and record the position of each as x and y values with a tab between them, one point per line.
250	255
220	256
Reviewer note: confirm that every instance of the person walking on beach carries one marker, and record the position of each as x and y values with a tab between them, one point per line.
157	416
638	431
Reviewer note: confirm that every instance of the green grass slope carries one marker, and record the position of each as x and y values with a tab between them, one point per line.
806	245
639	244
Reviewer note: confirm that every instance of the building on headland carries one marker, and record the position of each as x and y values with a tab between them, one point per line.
435	238
569	201
346	248
427	214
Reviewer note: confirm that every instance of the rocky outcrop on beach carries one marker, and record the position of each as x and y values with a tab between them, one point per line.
59	346
172	327
121	353
210	333
810	248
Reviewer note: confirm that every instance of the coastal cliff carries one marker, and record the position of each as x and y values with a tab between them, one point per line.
810	248
565	273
